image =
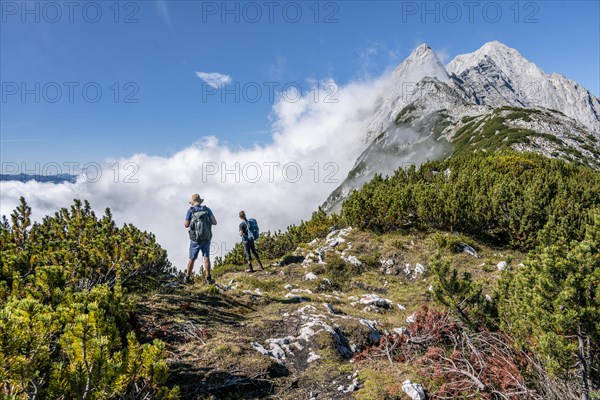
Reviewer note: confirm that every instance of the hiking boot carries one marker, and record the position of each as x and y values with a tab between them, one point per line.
210	280
250	269
188	279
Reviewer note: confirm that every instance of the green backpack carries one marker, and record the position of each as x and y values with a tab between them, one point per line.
200	226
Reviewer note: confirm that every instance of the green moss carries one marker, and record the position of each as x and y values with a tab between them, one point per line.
263	284
380	384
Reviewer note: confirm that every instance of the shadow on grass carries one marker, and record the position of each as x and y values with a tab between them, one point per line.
199	383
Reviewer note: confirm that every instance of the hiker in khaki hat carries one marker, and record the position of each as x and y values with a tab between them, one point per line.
199	221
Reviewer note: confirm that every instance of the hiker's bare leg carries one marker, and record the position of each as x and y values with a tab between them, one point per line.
207	267
190	267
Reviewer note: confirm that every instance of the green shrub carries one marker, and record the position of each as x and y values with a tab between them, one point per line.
273	246
551	305
370	260
452	242
507	198
64	316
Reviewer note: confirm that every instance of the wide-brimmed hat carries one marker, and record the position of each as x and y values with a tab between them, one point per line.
196	200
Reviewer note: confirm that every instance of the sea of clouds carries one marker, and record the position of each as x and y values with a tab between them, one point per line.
314	145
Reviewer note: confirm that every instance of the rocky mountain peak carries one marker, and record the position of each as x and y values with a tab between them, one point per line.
426	105
497	75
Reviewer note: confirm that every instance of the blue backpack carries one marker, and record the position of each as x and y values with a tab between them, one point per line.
252	229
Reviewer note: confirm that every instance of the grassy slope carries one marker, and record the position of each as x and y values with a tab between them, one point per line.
209	331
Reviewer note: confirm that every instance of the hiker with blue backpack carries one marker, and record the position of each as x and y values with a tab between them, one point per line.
249	233
199	221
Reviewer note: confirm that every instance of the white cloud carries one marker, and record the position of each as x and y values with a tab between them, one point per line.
276	70
322	139
443	55
214	79
163	11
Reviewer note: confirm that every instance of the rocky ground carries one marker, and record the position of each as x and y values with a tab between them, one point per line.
293	331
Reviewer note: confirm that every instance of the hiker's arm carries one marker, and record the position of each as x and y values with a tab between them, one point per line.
213	220
241	232
188	216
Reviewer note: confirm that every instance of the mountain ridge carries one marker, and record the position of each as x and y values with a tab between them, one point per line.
420	113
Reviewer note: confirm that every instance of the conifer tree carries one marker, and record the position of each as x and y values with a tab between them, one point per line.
64	310
552	304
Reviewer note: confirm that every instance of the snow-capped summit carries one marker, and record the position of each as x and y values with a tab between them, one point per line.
421	63
497	75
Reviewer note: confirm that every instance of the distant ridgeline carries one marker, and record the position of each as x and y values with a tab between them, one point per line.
60	178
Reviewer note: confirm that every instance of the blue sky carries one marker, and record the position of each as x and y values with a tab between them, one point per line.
145	56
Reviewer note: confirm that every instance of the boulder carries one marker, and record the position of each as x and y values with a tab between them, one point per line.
401	331
413	390
502	265
419	269
389	267
353	260
310	277
312	356
309	259
256	292
335	241
307	291
330	308
293	297
373	299
374	335
325	284
465	248
321	256
275	352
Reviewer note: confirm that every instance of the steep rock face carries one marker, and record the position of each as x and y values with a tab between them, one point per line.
412	137
497	75
422	114
401	90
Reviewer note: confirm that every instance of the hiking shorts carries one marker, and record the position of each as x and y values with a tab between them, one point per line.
196	247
